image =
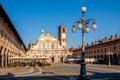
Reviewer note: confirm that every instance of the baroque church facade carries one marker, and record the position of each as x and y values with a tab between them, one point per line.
49	48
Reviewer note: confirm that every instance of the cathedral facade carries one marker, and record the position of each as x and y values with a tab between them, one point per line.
49	48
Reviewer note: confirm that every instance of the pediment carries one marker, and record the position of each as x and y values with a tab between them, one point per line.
48	37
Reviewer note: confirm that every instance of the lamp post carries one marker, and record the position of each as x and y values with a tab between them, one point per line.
82	24
109	53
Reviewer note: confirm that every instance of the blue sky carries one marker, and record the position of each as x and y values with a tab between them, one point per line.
30	16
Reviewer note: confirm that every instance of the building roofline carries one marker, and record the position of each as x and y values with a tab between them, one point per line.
99	43
6	19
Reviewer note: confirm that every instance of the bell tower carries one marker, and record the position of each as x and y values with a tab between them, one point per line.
62	35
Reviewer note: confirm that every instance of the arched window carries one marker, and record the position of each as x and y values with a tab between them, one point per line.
1	49
43	46
98	51
63	29
52	46
105	50
101	50
114	48
1	32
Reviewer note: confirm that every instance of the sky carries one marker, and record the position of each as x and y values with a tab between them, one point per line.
30	16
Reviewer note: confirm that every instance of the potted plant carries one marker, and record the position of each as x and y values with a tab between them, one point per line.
47	65
27	65
17	65
36	65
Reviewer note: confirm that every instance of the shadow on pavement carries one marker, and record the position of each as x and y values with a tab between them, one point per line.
8	75
105	76
95	76
71	77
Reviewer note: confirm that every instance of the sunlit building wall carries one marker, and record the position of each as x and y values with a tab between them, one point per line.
99	49
11	45
49	48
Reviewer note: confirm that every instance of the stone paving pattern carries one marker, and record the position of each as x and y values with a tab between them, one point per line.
60	72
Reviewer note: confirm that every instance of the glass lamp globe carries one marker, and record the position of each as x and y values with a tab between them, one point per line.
83	9
73	29
94	27
87	30
79	26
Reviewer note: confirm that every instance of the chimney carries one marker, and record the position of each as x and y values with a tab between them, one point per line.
116	35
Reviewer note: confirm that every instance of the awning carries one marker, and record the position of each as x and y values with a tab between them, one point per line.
32	58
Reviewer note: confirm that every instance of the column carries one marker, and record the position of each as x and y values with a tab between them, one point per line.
12	56
6	58
2	52
9	58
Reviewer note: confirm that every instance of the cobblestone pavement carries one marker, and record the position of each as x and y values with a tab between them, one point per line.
61	72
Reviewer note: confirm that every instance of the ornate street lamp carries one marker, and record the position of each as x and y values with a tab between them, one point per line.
109	53
82	24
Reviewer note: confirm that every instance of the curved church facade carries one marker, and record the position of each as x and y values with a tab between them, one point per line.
49	48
